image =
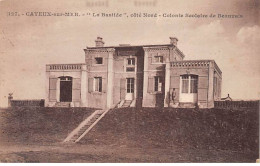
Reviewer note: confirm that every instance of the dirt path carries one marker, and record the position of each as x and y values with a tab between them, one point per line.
101	154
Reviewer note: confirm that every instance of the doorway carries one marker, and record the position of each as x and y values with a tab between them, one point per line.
130	87
189	89
65	89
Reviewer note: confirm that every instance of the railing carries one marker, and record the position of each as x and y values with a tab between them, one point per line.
64	67
191	63
195	63
236	104
27	103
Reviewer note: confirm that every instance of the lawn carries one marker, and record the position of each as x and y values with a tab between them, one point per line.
130	135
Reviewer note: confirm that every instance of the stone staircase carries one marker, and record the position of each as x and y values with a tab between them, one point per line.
62	104
85	126
187	105
127	103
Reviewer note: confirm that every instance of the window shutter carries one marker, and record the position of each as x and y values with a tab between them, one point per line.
150	84
104	85
76	89
122	88
53	83
76	83
52	89
90	84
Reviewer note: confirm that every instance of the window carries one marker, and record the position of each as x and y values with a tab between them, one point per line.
65	78
130	85
131	61
98	84
130	66
99	60
158	59
189	84
157	84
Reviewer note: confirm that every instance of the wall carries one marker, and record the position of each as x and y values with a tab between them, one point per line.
52	86
96	99
120	74
152	69
205	70
27	103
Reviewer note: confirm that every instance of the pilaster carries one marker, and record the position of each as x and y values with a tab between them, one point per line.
83	88
47	84
110	77
145	79
210	102
167	83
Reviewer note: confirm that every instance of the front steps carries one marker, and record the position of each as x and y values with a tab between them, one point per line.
84	127
62	104
126	103
187	105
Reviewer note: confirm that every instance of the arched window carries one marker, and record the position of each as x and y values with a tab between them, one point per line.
189	83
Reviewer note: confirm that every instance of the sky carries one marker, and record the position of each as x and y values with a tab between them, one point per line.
28	43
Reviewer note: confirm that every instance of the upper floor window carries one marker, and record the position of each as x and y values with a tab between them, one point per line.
99	60
158	59
98	84
131	61
157	84
189	83
130	66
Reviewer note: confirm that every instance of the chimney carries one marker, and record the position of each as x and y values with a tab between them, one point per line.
99	42
174	41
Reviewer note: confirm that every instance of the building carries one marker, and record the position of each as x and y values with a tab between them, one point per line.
125	75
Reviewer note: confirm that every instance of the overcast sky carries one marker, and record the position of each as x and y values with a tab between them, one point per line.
27	44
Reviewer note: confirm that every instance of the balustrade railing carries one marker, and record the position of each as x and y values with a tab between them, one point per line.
64	67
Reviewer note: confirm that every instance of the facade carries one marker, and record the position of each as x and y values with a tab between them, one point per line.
125	75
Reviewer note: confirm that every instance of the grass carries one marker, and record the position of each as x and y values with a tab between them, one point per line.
38	125
130	135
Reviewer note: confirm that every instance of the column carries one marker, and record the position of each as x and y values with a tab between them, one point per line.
83	86
167	83
110	77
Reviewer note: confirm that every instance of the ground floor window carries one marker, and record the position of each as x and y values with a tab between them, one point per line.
189	83
98	84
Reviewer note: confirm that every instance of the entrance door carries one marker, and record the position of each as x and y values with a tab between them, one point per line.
129	89
65	89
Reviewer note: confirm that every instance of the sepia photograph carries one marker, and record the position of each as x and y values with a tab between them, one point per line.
137	81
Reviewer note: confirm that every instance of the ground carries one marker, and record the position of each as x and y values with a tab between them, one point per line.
35	135
104	154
